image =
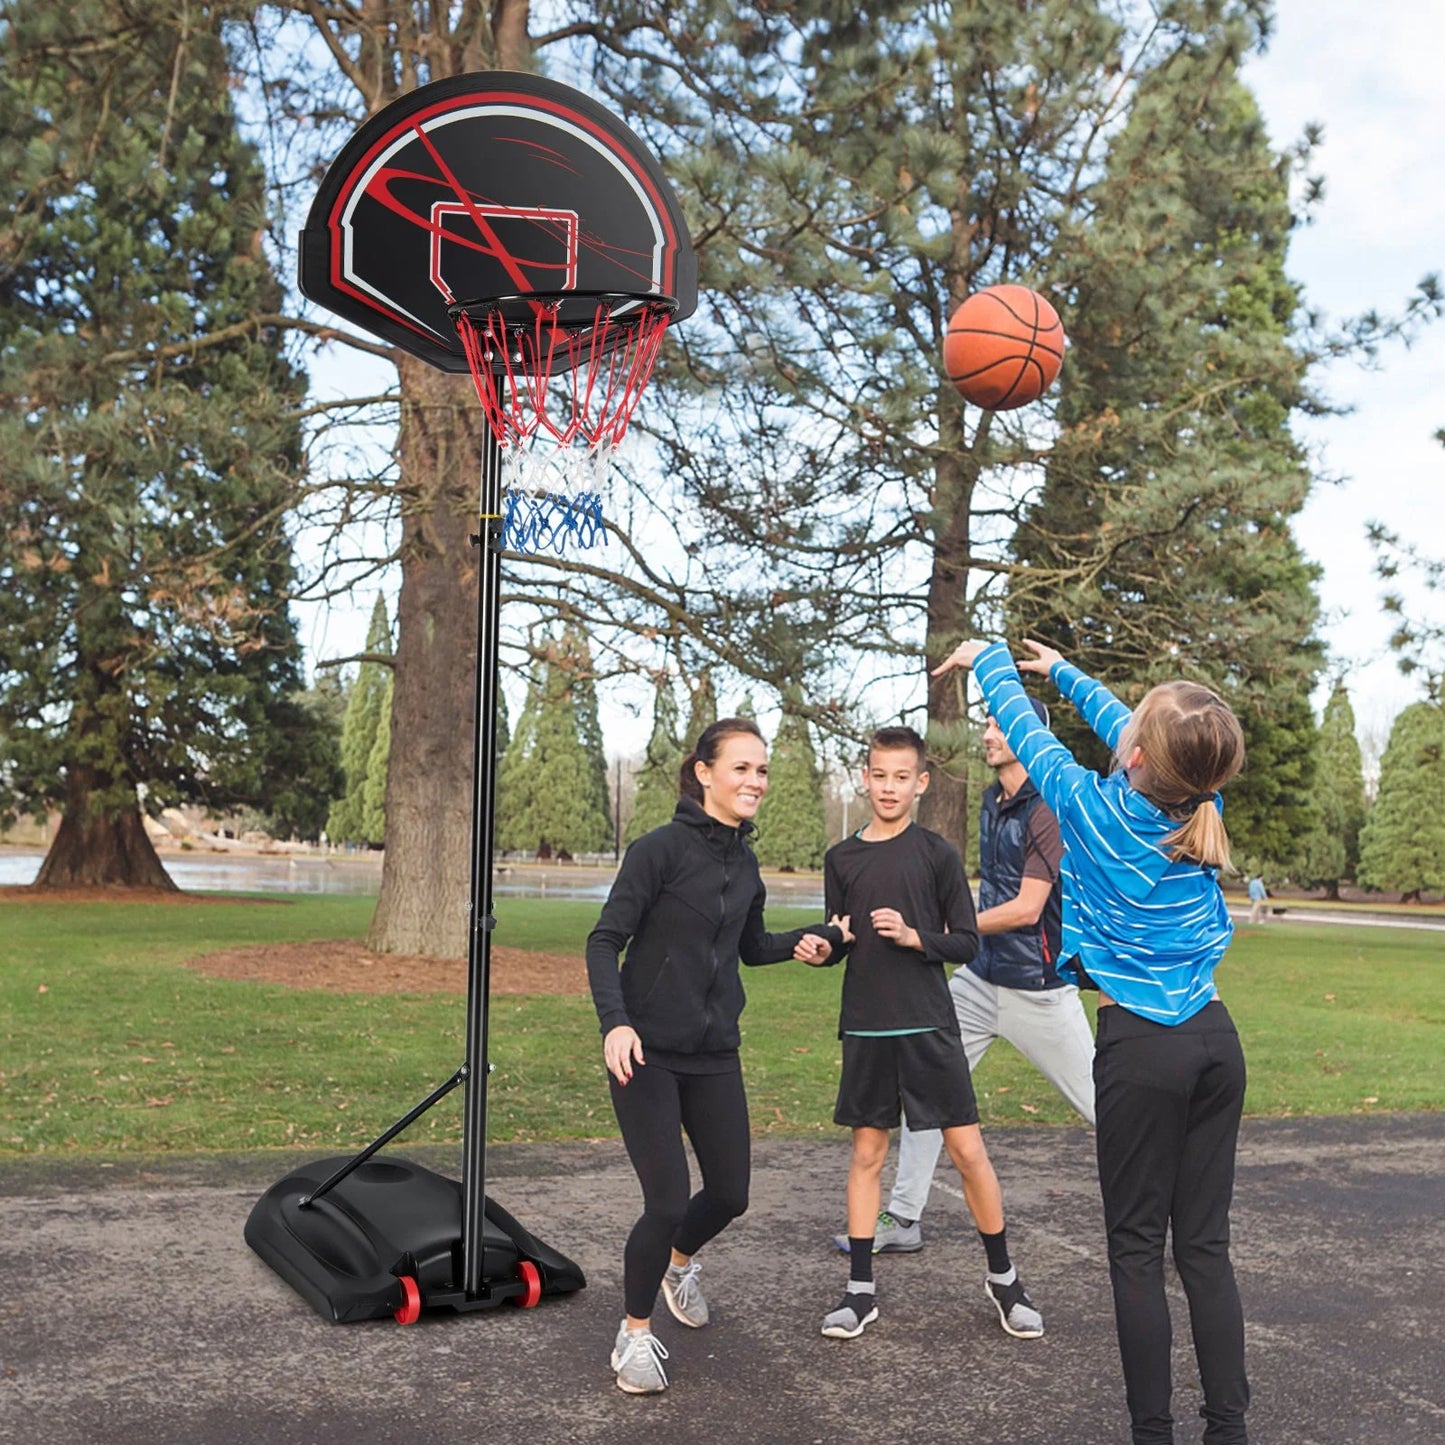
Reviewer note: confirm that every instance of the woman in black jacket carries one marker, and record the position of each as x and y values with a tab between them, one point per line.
686	904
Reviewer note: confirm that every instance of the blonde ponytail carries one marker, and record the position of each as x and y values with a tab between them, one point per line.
1192	745
1203	838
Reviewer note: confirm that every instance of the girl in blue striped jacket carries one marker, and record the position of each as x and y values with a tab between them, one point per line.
1145	923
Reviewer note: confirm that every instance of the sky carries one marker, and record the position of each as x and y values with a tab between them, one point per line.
1357	71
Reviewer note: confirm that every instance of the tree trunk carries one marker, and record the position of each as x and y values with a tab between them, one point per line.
945	806
99	847
510	22
425	880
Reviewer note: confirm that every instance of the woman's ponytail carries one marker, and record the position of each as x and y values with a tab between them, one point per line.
687	783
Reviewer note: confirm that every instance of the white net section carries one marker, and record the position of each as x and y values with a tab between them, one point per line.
559	377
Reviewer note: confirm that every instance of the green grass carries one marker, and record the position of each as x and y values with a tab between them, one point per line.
108	1045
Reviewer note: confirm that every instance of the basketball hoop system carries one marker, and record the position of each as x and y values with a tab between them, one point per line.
559	374
489	186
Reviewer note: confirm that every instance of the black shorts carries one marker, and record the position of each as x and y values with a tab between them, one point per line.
925	1074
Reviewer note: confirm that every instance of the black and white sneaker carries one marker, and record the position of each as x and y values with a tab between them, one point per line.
852	1317
1016	1312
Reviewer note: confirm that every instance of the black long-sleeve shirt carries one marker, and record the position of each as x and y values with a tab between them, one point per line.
686	904
918	873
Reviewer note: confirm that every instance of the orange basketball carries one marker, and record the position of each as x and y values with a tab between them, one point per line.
1004	347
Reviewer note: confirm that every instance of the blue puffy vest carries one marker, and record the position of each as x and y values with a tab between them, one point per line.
1022	957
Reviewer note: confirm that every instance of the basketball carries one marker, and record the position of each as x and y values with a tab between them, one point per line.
1004	347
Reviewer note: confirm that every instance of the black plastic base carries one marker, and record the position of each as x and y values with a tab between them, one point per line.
346	1253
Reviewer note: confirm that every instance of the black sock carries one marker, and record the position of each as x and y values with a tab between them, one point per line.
860	1254
899	1219
996	1246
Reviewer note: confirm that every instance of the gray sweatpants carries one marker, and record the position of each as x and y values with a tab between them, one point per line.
1048	1027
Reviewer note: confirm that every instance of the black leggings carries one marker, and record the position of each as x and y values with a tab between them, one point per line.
1169	1101
653	1110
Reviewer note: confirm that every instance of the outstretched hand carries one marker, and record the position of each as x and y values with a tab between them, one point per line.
812	949
1043	661
962	656
815	950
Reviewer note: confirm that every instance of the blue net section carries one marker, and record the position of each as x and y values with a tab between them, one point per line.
565	369
552	521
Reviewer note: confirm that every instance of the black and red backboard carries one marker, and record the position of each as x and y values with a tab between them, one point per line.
491	184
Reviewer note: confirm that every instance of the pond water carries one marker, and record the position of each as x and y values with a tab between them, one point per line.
361	875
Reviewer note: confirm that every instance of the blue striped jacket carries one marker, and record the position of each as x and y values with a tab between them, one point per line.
1149	931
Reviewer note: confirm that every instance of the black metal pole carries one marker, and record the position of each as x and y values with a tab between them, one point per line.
480	920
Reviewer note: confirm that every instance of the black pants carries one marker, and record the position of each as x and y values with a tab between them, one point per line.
1169	1101
653	1110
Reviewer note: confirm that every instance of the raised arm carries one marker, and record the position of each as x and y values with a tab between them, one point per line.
1104	713
1047	761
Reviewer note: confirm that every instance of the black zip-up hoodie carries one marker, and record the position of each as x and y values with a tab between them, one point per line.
690	898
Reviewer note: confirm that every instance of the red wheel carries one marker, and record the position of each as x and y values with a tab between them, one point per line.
410	1311
531	1277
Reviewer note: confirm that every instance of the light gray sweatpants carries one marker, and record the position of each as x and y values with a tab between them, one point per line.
1048	1027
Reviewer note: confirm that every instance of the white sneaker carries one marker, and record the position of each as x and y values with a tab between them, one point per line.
637	1357
683	1294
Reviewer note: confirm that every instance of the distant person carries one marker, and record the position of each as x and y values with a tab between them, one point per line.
1145	922
1258	900
1011	989
903	888
686	904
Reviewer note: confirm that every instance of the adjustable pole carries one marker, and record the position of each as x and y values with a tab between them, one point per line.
479	918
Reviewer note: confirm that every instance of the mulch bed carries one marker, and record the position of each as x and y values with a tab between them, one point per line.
343	965
29	893
348	966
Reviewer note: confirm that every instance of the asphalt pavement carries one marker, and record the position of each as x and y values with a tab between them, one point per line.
133	1310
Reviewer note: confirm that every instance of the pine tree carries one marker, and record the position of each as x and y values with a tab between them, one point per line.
850	173
298	806
702	709
504	730
656	798
512	828
562	812
1160	545
1402	843
367	704
576	657
792	833
1330	851
149	440
855	172
373	790
547	776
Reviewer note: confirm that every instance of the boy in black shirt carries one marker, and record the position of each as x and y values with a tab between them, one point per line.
904	889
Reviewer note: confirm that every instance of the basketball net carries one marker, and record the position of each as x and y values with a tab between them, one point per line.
559	376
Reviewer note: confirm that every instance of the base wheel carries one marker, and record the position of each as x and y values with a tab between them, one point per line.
531	1277
410	1311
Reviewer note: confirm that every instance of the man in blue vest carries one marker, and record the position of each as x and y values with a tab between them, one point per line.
1011	989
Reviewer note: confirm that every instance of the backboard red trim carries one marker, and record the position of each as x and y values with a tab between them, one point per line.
629	230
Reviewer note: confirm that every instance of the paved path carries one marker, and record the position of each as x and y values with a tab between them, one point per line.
133	1310
1288	913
